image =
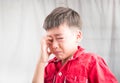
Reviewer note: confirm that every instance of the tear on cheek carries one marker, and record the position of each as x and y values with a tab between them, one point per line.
48	50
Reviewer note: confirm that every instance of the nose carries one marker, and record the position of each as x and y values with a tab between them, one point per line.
55	44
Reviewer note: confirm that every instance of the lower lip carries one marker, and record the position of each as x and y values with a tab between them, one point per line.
58	53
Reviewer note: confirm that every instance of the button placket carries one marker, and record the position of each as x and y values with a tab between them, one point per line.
60	73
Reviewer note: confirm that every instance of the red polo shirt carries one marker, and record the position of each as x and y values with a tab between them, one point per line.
81	68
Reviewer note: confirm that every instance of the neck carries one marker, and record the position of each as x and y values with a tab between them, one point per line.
66	59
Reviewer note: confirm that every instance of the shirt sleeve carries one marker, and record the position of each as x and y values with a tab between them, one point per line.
99	72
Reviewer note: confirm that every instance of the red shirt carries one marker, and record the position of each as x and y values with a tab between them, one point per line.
81	68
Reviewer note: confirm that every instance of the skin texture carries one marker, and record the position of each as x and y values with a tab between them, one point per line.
61	41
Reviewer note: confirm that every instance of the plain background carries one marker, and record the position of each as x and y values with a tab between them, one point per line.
21	30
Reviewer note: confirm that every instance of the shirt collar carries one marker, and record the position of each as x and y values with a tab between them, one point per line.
78	52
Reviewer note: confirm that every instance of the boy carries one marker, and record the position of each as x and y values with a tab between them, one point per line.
71	63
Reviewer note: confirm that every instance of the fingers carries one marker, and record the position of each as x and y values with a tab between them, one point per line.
46	45
49	51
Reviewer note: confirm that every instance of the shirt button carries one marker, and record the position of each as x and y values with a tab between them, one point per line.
60	73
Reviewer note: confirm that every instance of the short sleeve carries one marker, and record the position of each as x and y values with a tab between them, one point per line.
99	72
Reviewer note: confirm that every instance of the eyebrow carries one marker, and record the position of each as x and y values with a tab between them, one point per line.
58	34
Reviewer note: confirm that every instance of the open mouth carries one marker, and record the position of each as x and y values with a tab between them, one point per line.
57	52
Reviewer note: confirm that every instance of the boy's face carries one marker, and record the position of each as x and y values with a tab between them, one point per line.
62	41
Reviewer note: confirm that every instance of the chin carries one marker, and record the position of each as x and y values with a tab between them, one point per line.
59	57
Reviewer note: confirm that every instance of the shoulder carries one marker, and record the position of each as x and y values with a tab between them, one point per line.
50	66
90	56
51	62
98	69
91	59
84	55
95	61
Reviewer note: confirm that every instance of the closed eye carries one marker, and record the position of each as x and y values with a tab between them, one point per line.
60	38
50	41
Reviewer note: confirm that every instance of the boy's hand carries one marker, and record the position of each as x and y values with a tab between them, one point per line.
45	50
45	53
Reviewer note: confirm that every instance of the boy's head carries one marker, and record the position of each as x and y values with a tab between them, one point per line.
63	27
62	15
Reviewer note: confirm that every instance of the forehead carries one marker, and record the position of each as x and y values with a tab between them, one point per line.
58	31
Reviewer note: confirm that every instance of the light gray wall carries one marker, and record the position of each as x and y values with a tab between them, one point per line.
21	30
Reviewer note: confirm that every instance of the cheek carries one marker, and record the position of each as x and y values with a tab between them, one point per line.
51	49
69	42
65	46
68	45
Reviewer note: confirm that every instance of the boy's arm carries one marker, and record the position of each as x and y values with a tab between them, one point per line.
39	72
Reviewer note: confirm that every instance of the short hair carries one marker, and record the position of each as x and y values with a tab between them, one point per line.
62	15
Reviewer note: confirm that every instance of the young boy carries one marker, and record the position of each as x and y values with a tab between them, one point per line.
71	63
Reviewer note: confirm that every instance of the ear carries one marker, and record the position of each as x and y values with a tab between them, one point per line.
78	36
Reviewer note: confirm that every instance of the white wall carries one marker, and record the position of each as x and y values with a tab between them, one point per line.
21	30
